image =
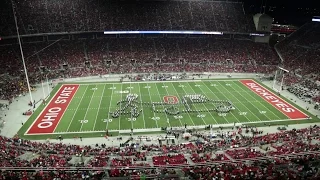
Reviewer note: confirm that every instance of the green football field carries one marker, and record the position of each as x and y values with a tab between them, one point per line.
91	107
94	108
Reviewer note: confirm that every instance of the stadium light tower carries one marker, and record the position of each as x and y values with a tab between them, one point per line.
21	51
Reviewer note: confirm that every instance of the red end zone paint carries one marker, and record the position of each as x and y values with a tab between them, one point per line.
49	118
277	102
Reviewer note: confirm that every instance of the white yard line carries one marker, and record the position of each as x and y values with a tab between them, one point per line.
260	102
109	107
130	113
94	126
186	112
120	107
168	120
85	115
258	119
154	114
75	112
193	104
205	105
219	99
144	122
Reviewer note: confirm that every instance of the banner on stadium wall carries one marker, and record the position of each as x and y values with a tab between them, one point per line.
56	81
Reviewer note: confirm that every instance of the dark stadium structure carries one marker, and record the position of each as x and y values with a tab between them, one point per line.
65	39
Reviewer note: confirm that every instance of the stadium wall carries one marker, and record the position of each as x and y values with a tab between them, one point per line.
204	75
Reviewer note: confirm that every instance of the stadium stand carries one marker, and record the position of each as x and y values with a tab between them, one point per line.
42	16
197	54
237	154
300	53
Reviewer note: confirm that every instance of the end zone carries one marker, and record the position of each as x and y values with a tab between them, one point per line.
286	108
49	118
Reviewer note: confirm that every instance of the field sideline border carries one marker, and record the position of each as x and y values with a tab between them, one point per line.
127	82
139	130
39	110
43	108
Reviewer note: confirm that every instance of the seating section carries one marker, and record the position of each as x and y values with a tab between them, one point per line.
218	55
300	52
244	153
169	160
41	16
269	156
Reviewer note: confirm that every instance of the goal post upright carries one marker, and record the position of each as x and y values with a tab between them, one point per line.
274	80
281	73
21	51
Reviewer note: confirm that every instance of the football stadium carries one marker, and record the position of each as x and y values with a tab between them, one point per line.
163	90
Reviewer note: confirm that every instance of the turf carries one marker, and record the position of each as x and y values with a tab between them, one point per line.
88	112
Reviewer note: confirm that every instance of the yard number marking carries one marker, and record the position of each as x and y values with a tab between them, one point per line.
155	118
107	120
112	88
147	87
94	88
182	86
201	115
132	119
197	85
222	114
242	113
83	121
213	85
263	112
122	92
178	117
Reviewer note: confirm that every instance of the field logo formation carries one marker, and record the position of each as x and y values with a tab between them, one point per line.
170	105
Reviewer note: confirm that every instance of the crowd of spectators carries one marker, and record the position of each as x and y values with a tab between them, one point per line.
41	16
301	54
234	154
78	58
